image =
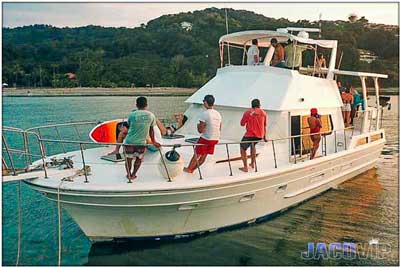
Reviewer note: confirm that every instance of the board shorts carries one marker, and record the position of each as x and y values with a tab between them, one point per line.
346	107
207	148
245	146
134	151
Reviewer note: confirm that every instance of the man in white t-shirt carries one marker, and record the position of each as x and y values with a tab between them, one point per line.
210	128
253	53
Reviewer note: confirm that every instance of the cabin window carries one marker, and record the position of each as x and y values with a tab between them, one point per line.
299	126
376	137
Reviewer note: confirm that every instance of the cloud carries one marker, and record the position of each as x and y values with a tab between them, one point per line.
133	14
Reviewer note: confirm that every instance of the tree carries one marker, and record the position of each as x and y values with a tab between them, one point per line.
162	53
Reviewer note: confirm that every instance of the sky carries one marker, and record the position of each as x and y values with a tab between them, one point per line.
133	14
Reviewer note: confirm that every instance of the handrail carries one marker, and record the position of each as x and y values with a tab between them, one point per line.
62	124
36	132
184	145
31	130
13	129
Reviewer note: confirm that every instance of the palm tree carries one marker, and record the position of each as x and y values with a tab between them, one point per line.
17	70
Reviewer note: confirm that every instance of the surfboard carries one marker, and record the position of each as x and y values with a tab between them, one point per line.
106	132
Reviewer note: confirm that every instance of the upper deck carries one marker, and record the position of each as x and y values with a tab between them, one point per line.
278	89
242	40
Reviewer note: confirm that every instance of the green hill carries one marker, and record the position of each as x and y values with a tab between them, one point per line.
163	53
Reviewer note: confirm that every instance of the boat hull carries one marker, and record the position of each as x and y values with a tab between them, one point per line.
182	213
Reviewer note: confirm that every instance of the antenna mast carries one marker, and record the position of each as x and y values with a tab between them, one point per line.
227	32
320	26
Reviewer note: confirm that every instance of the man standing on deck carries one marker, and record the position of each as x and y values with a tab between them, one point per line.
314	121
141	123
210	128
255	120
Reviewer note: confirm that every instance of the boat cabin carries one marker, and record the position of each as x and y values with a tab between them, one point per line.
287	95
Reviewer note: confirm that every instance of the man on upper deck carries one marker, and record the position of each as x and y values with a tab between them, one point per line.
279	54
253	53
294	55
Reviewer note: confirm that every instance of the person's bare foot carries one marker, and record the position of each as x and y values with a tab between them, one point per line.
133	177
244	169
187	170
251	165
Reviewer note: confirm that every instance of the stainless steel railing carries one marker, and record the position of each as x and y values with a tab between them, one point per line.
36	132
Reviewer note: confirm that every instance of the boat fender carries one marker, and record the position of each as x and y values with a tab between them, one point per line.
173	162
172	155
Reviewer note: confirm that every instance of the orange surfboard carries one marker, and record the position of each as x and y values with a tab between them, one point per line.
106	132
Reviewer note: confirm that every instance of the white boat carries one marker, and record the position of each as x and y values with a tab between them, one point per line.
218	195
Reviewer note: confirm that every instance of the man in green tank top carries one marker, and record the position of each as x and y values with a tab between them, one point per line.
141	123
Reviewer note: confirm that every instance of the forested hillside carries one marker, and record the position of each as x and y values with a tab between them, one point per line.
163	53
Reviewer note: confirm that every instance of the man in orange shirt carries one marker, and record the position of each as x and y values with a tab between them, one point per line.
279	54
255	120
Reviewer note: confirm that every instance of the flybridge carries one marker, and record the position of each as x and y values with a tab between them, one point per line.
243	39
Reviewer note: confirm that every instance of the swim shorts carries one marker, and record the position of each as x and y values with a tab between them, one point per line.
207	147
132	151
346	107
245	146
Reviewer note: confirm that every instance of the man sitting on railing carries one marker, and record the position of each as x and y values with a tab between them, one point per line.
210	128
141	123
255	120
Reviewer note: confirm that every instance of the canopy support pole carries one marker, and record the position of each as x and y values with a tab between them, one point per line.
221	53
332	62
378	115
364	92
294	53
229	55
315	63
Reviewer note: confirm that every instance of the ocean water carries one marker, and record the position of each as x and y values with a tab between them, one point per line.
360	210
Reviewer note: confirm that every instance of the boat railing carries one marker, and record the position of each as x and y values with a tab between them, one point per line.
29	143
370	119
298	151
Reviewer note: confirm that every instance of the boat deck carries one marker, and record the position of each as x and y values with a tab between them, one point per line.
111	176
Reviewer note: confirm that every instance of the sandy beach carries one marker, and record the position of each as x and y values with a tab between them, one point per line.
83	91
137	91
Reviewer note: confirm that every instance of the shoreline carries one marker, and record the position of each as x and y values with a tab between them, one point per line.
90	91
137	91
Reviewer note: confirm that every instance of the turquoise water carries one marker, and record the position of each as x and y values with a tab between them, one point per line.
363	208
